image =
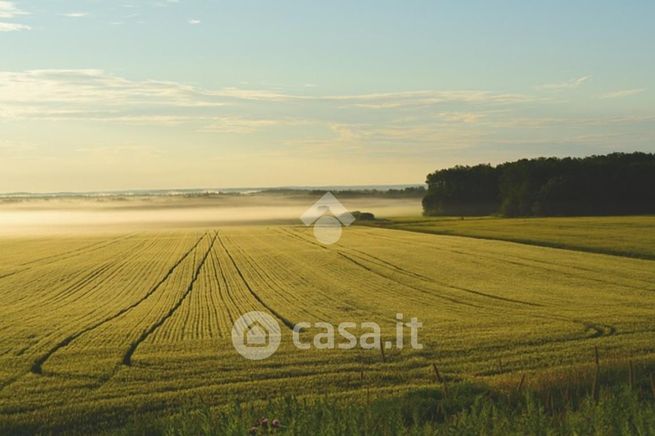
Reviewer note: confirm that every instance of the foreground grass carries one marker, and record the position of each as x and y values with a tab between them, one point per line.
632	236
601	398
467	409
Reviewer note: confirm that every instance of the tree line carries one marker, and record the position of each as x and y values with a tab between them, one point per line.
617	183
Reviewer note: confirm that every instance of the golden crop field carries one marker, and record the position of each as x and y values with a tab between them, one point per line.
97	328
631	236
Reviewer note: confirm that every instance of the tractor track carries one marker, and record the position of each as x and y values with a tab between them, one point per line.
284	320
459	288
65	255
519	261
361	265
37	366
387	264
127	357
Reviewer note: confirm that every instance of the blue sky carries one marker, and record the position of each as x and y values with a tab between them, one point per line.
156	94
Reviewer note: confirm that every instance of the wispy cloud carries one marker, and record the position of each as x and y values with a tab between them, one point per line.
75	14
302	117
395	100
13	27
234	124
569	84
194	21
96	86
8	10
461	117
254	94
403	117
622	93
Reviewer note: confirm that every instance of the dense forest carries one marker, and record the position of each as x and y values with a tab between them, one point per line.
617	183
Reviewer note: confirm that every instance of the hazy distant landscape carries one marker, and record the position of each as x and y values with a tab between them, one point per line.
61	214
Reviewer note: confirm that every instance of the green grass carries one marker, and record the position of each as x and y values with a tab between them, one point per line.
467	409
632	236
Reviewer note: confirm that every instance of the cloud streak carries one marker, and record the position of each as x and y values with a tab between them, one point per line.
569	84
75	14
8	10
13	27
622	93
298	120
240	125
83	89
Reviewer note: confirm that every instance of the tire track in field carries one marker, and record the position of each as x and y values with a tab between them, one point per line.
285	261
300	238
92	289
429	292
117	267
111	267
521	261
599	329
78	284
360	265
77	280
59	300
284	320
72	253
391	265
270	273
37	366
596	330
317	291
66	255
12	273
581	268
459	288
219	269
529	264
127	357
529	242
10	381
554	270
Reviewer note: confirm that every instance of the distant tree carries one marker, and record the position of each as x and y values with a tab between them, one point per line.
363	216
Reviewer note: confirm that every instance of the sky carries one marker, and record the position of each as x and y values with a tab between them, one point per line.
127	94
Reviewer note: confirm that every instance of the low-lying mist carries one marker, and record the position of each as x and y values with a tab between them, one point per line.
101	214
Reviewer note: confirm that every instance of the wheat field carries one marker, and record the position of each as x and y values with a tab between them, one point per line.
96	328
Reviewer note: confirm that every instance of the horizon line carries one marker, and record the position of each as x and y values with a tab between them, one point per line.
207	190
